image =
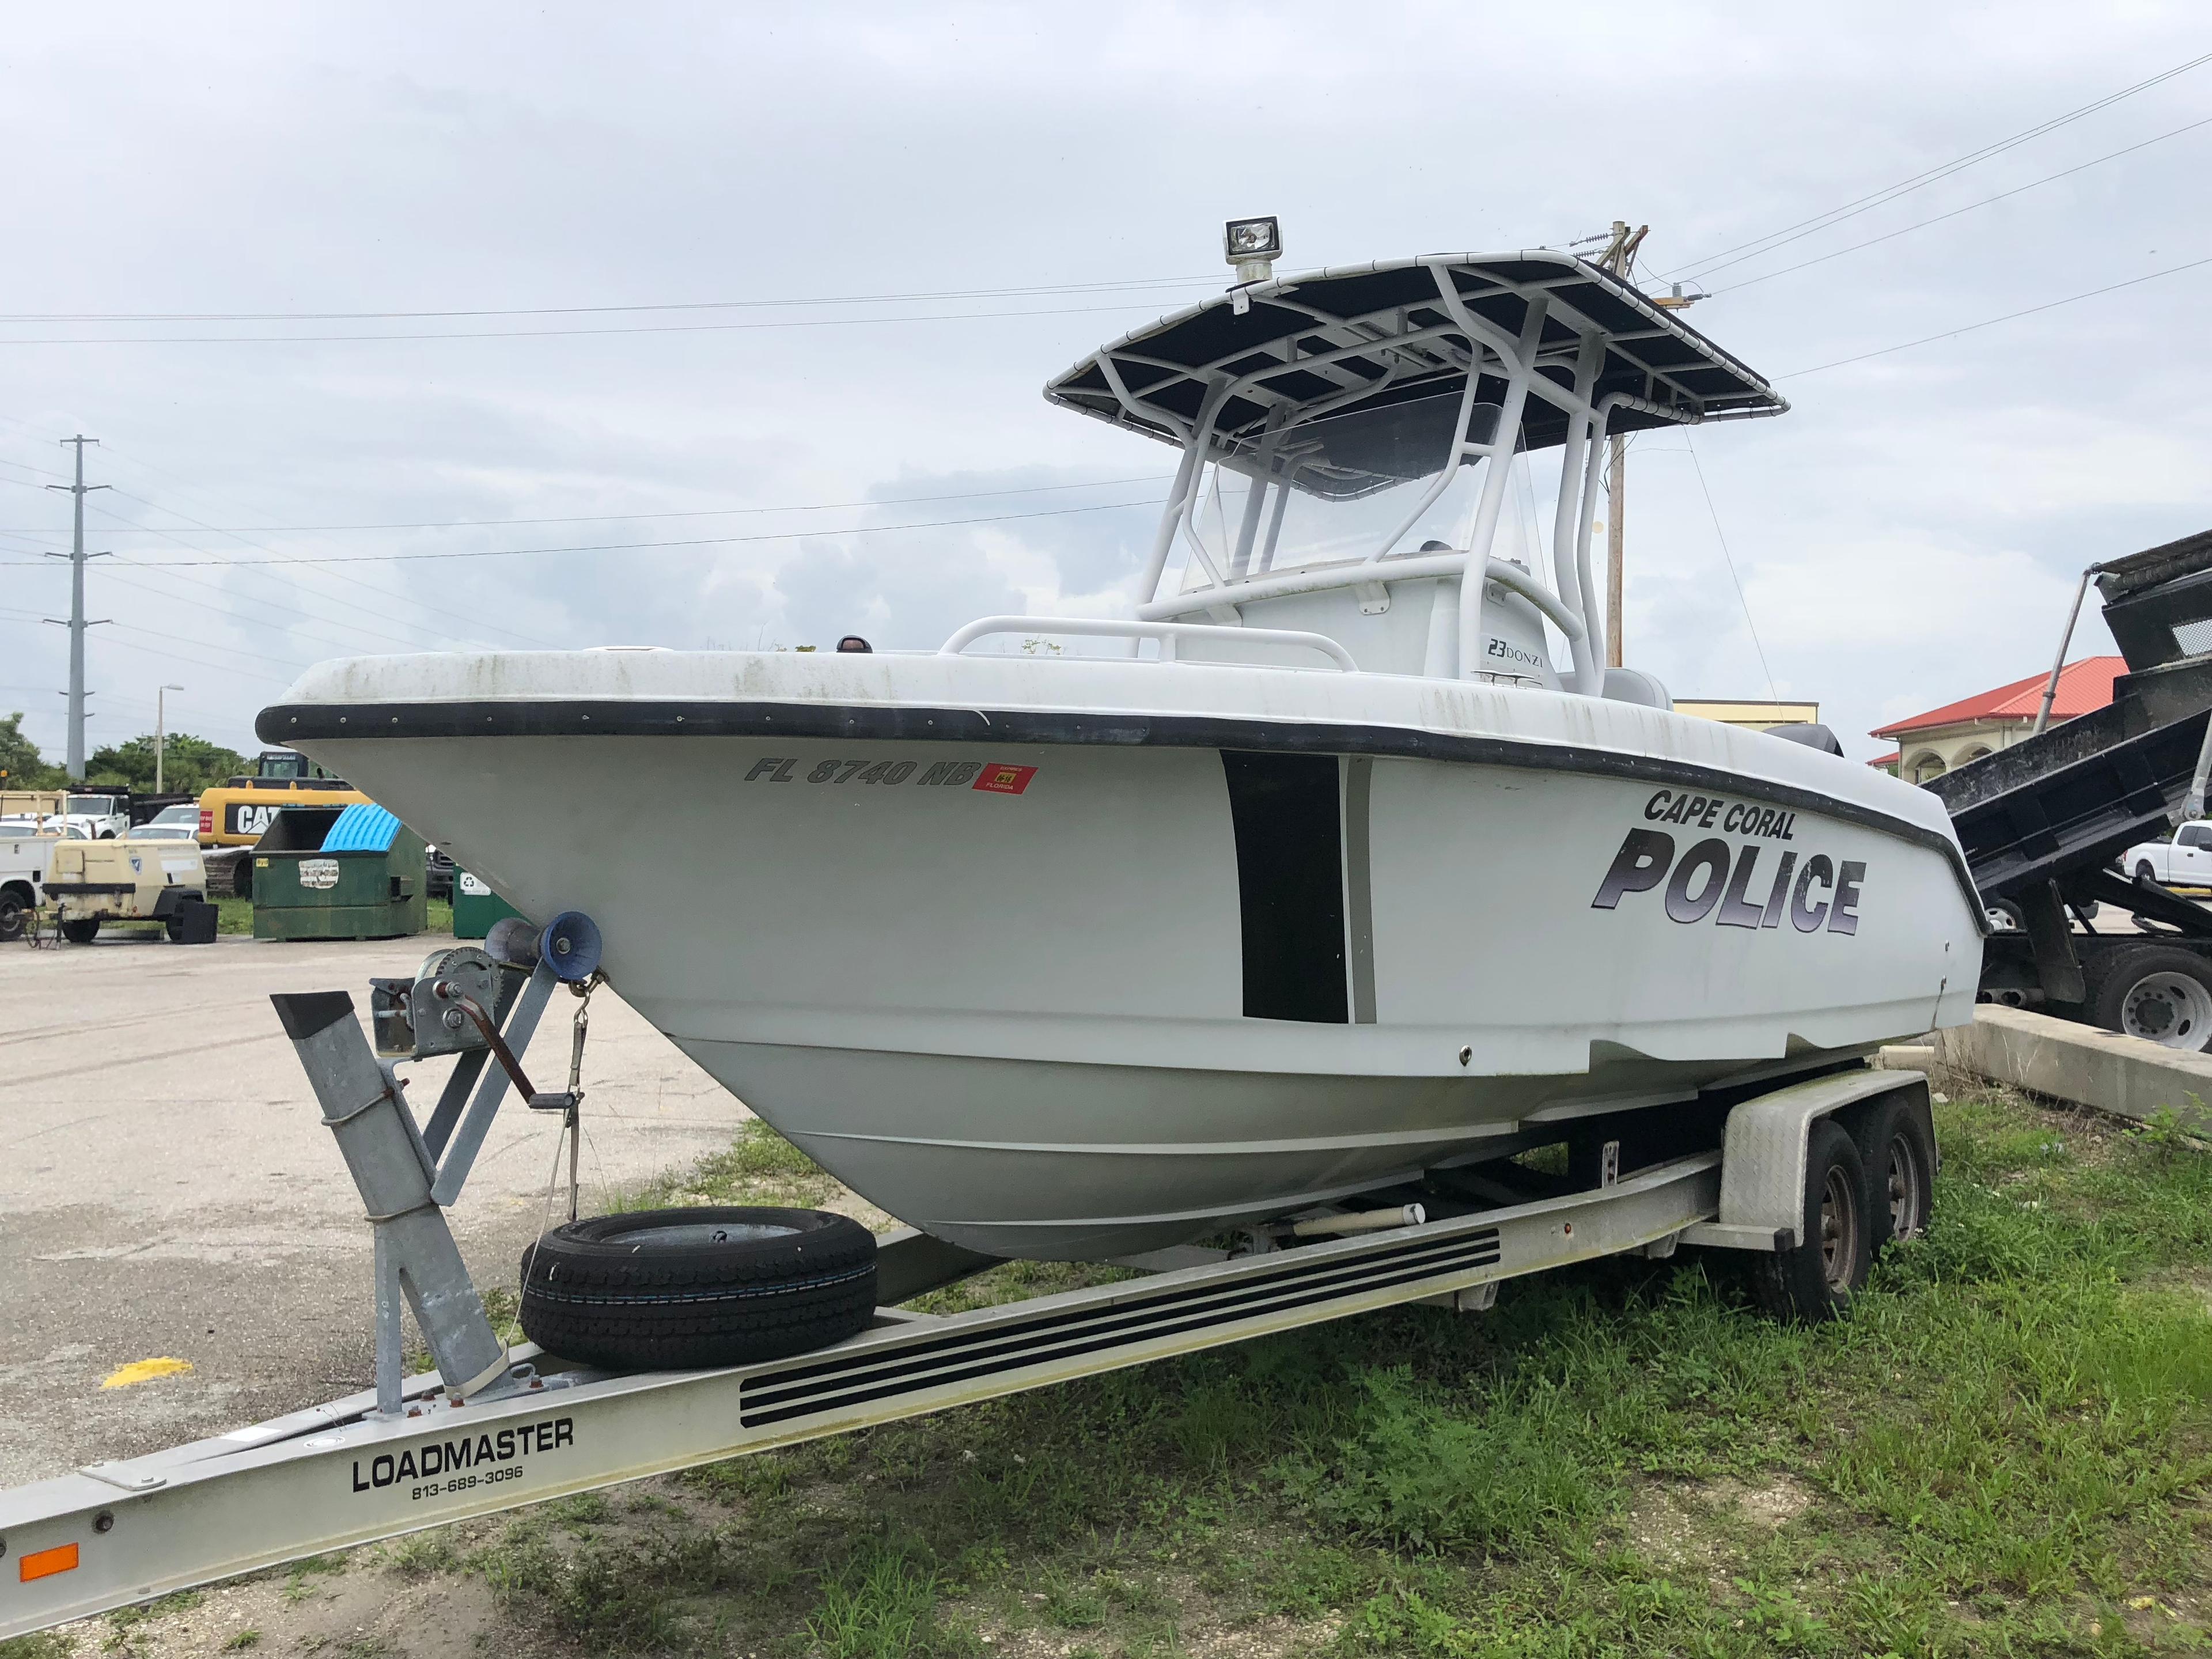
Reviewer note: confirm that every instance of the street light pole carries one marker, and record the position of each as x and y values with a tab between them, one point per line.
161	730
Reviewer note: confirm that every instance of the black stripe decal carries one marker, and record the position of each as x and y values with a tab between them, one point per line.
1360	887
288	723
761	1402
1288	823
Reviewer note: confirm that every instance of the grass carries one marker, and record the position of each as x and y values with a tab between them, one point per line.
761	1167
235	915
2006	1449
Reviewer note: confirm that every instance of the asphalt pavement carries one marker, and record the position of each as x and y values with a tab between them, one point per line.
167	1190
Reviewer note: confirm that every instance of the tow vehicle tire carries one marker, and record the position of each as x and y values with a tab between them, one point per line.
2143	871
1897	1144
1817	1280
81	932
2156	992
15	916
676	1290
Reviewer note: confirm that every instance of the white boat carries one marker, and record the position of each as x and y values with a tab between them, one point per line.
1317	872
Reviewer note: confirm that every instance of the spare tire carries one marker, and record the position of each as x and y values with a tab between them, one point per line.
676	1290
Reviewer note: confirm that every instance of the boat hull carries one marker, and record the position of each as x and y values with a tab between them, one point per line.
1058	991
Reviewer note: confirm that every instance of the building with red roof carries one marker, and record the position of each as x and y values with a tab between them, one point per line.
1930	745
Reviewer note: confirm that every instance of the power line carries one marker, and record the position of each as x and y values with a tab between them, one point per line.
1991	322
1750	281
197	662
1728	558
626	547
385	596
432	635
552	333
625	517
918	297
1867	203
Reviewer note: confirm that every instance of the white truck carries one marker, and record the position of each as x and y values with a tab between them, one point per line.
27	853
102	815
2185	861
24	857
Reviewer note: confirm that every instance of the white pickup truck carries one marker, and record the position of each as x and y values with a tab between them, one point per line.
2185	861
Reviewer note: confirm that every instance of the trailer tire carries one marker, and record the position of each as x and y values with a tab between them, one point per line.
680	1289
2156	992
83	931
1817	1280
1897	1143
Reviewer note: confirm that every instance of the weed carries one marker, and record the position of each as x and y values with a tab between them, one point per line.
1509	1469
241	1640
1074	1606
423	1554
882	1606
584	1509
299	1578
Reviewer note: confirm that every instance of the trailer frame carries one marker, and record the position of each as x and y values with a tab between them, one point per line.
345	1473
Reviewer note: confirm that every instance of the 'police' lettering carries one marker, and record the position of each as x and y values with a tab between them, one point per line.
1639	865
1807	918
1737	911
1715	878
1710	856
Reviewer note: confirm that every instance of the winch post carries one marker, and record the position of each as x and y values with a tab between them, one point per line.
468	1139
439	1129
392	1167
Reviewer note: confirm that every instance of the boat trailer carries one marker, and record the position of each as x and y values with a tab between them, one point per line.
493	1428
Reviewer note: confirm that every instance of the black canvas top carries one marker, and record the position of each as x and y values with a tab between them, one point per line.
1290	321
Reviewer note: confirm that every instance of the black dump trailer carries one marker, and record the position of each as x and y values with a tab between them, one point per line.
2045	822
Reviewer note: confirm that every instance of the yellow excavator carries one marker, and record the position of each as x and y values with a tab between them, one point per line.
234	813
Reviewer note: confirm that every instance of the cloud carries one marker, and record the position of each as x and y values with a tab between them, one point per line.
1908	533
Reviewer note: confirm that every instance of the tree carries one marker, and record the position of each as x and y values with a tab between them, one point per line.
22	765
189	764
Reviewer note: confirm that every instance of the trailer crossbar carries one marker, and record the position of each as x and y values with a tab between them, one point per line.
339	1475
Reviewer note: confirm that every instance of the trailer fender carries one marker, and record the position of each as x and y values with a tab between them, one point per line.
1763	1155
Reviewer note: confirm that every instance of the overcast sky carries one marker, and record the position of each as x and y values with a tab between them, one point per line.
1907	535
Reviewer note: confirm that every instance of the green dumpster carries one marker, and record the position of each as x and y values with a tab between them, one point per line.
475	907
338	872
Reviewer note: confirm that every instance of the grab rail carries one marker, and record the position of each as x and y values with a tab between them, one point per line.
1405	568
1165	632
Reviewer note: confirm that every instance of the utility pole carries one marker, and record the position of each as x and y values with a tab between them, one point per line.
161	730
1620	258
76	622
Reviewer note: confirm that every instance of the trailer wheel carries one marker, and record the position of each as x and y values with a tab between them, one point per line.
81	932
1817	1280
2156	992
1897	1146
675	1290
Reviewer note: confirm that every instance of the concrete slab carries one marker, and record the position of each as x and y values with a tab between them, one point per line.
2084	1064
167	1189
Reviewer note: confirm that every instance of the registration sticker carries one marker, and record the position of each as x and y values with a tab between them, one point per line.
1005	780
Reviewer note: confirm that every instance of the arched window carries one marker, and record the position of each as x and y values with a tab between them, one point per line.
1924	767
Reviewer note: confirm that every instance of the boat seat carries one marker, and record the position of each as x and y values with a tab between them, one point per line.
1634	685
